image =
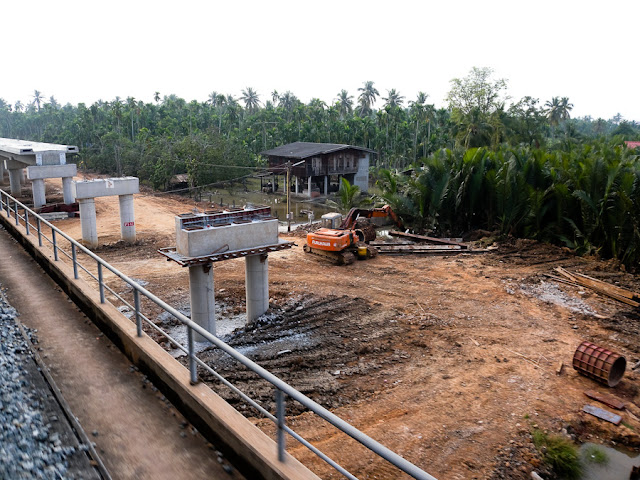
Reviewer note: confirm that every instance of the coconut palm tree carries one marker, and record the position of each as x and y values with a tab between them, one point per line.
37	98
251	99
367	97
393	99
344	103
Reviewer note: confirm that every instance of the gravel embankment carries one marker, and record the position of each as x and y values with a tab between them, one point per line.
35	441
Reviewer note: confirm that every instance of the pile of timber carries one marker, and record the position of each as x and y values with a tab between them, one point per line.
604	288
421	244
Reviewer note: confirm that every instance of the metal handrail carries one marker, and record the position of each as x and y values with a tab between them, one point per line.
281	386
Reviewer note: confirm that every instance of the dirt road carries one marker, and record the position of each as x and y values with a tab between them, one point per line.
449	361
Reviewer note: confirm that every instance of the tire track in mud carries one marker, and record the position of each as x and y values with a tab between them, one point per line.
332	349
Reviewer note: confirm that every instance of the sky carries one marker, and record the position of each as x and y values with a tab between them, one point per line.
83	51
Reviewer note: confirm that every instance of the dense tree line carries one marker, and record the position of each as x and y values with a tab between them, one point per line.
157	140
523	167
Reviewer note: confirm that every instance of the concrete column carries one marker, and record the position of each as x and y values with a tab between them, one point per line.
297	181
203	303
1	170
39	197
88	222
67	191
15	181
127	219
24	175
309	185
326	184
257	285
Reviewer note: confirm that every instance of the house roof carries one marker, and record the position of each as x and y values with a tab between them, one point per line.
301	150
632	144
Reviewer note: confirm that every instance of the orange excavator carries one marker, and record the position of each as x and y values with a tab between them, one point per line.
349	241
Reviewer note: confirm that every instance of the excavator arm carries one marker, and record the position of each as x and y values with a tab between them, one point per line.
355	213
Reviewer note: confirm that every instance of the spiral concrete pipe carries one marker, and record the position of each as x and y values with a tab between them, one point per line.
599	363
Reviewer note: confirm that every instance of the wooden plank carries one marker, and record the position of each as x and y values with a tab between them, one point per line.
596	286
602	414
609	400
395	233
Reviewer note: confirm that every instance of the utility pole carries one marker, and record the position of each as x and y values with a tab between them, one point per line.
289	167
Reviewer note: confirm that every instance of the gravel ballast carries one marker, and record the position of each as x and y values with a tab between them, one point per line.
36	441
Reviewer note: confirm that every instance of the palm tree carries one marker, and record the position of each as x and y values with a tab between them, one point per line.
367	97
345	103
156	96
53	102
565	108
37	98
393	99
251	99
18	107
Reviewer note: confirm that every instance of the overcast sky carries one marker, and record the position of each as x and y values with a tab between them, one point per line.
83	51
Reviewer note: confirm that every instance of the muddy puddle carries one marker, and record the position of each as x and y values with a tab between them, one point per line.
606	463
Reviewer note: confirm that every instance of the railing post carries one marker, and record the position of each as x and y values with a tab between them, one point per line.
74	258
26	220
39	227
16	213
280	412
55	244
193	366
136	304
100	283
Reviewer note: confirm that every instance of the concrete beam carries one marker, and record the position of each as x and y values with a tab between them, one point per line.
105	187
36	172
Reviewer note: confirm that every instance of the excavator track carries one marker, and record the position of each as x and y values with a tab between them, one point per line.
339	258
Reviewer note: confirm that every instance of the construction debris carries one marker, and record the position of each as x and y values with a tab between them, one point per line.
602	414
609	400
423	238
611	291
559	368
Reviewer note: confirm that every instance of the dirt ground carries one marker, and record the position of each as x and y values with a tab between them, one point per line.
448	360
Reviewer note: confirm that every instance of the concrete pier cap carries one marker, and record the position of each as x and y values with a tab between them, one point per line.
232	230
85	191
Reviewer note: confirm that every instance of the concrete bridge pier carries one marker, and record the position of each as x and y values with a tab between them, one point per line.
38	173
257	285
88	222
2	171
67	190
86	191
15	181
39	196
127	218
203	303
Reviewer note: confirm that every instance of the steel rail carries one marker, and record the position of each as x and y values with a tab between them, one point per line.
318	409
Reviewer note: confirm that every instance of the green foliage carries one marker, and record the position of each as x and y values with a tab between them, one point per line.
595	454
349	196
560	454
587	198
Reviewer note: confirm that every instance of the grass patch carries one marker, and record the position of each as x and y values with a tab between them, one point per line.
559	453
595	454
